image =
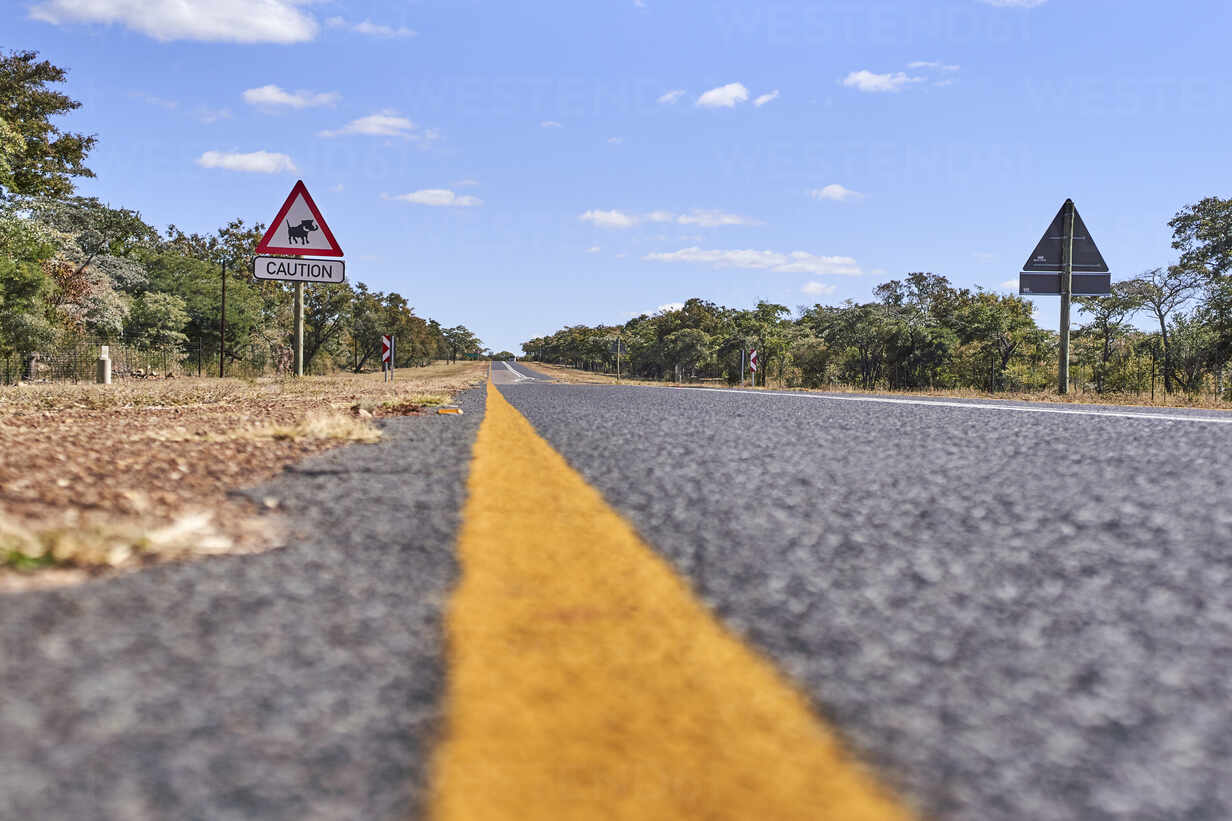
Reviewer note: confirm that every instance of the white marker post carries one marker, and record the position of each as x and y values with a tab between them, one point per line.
103	376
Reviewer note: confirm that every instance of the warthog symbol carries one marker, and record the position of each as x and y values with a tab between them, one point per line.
298	234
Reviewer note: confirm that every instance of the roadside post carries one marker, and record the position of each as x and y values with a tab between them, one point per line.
103	376
387	356
617	346
1066	263
297	231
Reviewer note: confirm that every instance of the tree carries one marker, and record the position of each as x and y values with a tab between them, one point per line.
326	307
1108	314
36	157
1202	232
1162	291
461	341
686	349
158	320
23	253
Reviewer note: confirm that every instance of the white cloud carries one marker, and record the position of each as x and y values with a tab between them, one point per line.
765	98
937	64
724	96
704	218
867	81
668	307
818	288
209	115
609	219
1010	285
337	189
440	198
835	192
594	249
550	124
385	123
370	28
271	95
672	96
615	140
161	102
795	262
256	162
713	219
235	21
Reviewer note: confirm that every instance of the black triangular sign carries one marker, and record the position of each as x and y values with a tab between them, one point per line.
1047	255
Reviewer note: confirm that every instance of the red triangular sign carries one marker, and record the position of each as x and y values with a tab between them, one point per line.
299	229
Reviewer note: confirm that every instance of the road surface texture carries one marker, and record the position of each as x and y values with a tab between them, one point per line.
302	683
1011	614
1008	611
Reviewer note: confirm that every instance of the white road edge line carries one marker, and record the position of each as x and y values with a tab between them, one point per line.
521	377
979	406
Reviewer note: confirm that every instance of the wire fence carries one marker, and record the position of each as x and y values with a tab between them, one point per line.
77	362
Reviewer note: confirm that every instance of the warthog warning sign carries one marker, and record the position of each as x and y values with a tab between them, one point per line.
300	229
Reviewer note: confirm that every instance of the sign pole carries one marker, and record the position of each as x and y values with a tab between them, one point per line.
222	321
619	344
299	329
1067	290
393	355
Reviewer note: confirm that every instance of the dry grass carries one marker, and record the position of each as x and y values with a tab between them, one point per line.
98	477
1162	400
336	426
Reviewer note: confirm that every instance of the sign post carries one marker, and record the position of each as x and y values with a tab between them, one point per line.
387	356
297	230
753	369
299	329
1074	265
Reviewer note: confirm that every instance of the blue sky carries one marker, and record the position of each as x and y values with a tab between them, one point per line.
520	166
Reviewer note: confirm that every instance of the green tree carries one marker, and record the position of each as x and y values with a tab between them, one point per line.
158	320
1108	322
1202	233
686	349
1162	291
36	157
23	282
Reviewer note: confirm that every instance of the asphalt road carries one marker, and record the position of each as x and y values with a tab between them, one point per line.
302	683
1008	613
1011	614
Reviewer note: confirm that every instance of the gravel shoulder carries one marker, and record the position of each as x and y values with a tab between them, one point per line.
301	683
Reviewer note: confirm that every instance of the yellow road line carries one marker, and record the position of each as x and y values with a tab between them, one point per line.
587	682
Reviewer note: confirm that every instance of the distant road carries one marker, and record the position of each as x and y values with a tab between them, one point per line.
1012	613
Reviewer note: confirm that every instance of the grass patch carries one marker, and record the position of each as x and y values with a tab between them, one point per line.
339	427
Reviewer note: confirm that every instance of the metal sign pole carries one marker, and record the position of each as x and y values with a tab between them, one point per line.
299	329
222	321
393	355
1067	290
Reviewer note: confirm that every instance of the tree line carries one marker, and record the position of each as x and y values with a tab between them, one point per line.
75	268
922	332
